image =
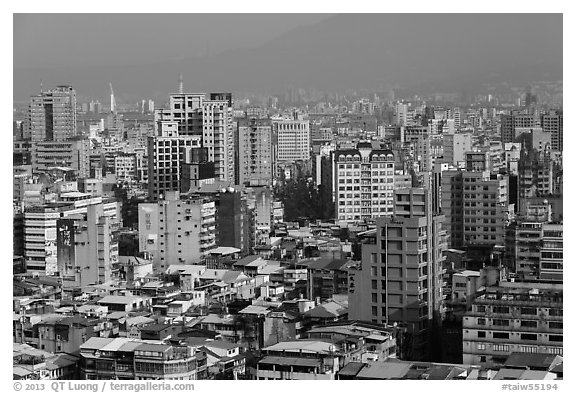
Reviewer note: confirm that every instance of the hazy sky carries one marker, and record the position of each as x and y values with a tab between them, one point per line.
126	39
143	54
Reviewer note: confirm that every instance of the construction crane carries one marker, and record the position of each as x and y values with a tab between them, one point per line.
112	100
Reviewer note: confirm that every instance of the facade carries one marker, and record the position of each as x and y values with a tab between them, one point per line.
73	154
364	181
299	360
210	118
509	123
40	229
133	359
513	317
254	164
292	140
177	231
554	124
125	167
418	139
455	146
52	115
167	152
401	274
87	248
476	207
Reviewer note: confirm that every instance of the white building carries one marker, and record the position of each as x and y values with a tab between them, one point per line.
364	181
177	231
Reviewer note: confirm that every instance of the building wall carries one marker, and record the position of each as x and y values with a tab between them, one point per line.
73	154
255	152
364	182
528	319
52	115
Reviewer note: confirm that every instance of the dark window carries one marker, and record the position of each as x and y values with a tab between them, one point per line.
500	335
527	336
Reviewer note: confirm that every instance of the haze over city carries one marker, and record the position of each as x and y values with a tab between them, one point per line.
143	54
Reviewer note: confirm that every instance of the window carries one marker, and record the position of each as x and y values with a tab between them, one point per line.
500	335
555	338
555	325
500	322
531	324
481	347
527	336
481	321
481	334
528	310
501	310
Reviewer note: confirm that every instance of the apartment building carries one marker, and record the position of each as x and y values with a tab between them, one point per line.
400	279
73	154
513	317
177	230
292	140
52	115
87	248
208	117
167	152
418	139
454	146
254	162
476	207
40	227
554	124
133	359
509	123
125	167
364	178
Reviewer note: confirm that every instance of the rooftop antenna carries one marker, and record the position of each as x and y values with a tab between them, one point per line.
181	84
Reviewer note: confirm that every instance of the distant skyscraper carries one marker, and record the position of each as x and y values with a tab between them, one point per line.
52	115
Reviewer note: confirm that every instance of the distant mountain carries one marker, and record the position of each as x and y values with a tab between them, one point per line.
344	51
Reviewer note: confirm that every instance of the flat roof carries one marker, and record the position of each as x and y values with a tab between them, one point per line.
290	361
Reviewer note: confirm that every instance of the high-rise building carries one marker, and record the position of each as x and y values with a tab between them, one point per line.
476	207
175	230
509	123
553	123
87	247
364	181
254	162
292	140
52	115
400	280
418	139
513	317
167	152
455	146
209	118
40	229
